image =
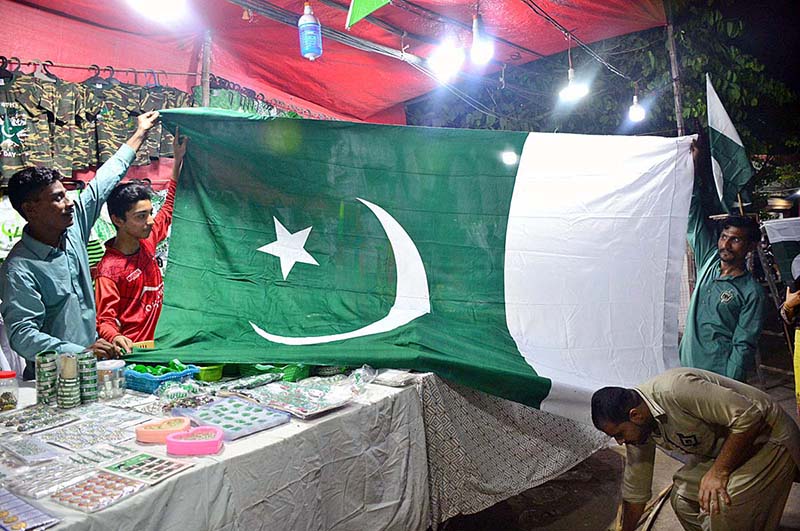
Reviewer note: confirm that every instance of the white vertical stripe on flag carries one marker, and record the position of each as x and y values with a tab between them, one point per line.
594	247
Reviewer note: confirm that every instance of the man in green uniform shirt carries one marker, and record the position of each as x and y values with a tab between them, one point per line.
727	307
742	448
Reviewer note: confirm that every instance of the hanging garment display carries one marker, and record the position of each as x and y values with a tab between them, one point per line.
24	137
234	100
159	142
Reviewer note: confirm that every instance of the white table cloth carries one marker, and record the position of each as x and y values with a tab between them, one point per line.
399	459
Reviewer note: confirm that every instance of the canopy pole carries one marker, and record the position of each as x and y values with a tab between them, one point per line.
673	66
691	270
205	79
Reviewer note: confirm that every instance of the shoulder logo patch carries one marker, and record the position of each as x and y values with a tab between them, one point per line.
726	296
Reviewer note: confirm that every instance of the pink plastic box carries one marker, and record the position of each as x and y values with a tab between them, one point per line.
205	440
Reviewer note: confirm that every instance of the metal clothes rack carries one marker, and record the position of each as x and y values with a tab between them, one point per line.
204	74
36	62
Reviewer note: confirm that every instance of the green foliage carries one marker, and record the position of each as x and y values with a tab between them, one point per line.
705	40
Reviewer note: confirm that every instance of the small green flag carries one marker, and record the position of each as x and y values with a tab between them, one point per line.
729	162
362	8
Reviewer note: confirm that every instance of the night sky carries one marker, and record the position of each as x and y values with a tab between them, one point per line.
772	34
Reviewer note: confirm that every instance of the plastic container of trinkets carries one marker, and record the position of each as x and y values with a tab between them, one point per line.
111	379
9	390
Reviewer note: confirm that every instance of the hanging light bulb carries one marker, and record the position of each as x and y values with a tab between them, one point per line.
574	89
446	60
482	49
636	113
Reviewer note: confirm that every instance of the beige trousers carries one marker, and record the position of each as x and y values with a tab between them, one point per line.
756	505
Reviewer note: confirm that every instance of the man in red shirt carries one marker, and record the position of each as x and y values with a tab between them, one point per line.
128	287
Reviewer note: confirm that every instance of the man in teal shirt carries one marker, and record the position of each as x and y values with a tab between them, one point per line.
46	294
727	307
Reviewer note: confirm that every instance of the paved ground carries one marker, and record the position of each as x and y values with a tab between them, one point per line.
587	497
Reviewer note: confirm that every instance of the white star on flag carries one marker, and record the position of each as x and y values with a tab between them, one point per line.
289	247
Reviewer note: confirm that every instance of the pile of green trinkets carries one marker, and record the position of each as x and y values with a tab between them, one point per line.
66	380
87	374
46	376
159	370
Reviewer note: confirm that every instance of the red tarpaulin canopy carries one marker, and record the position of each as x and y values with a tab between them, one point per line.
263	54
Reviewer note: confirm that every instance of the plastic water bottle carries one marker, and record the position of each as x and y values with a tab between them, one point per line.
310	34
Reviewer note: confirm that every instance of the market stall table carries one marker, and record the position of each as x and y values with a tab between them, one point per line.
396	459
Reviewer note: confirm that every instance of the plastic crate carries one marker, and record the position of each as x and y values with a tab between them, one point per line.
209	373
147	383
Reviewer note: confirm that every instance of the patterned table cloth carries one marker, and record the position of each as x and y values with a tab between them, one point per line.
483	449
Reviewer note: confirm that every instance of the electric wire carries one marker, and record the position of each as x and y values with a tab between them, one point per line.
460	94
284	16
442	19
568	34
384	25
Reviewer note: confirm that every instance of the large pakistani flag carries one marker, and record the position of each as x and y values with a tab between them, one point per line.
729	162
536	267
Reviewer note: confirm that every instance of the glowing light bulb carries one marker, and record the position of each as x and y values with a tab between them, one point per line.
482	49
574	90
636	113
446	60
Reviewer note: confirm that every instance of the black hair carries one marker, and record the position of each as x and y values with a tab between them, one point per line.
749	225
613	404
127	194
25	185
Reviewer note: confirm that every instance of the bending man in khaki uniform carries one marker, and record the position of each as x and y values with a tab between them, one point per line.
742	448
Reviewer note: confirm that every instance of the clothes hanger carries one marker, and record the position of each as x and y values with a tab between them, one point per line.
96	80
42	73
128	72
111	80
223	83
18	68
153	77
5	74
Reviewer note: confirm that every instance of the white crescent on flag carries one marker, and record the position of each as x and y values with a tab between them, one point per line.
412	298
